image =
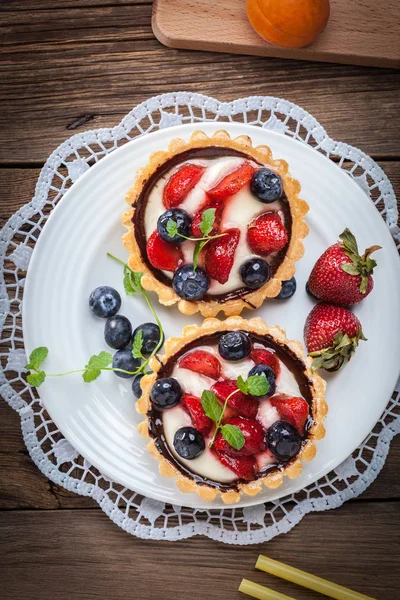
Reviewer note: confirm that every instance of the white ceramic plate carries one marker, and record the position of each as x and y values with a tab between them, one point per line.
69	261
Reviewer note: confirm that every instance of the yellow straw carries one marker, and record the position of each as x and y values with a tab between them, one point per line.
332	590
262	593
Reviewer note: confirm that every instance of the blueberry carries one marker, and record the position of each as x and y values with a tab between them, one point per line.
104	301
166	393
255	272
309	292
183	221
234	346
283	440
123	359
151	337
188	442
190	284
268	373
266	186
288	289
118	332
136	389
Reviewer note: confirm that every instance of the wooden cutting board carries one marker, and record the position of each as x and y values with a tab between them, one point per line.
362	32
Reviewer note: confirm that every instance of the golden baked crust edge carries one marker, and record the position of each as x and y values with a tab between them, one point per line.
286	270
319	408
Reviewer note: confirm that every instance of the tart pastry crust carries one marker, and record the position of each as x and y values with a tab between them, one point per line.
318	409
295	250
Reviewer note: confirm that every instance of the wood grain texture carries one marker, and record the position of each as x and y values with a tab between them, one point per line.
97	62
361	32
82	555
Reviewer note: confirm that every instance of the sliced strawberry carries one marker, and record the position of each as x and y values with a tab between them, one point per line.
180	184
243	466
232	183
243	404
220	254
199	417
292	409
202	362
267	234
163	255
196	220
265	357
253	435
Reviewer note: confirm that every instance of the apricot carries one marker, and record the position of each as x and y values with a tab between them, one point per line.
288	23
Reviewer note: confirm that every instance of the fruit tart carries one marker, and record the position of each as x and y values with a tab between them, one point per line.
215	224
232	406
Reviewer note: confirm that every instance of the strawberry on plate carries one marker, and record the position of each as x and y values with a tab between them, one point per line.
201	362
267	234
199	417
264	357
245	405
196	220
331	334
232	183
341	275
253	435
243	466
293	409
163	255
219	255
180	184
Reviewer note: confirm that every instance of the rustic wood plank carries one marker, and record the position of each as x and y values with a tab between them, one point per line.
12	5
87	64
81	555
358	33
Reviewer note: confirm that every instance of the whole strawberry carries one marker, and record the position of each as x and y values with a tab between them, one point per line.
331	334
341	275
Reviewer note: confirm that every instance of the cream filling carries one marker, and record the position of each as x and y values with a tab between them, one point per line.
207	464
240	210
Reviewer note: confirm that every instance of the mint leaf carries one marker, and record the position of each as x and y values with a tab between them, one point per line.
197	249
95	364
90	375
207	221
211	406
233	436
257	385
137	345
242	385
36	379
99	361
172	228
36	358
132	281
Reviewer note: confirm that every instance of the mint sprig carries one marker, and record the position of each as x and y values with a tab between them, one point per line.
206	226
101	362
256	385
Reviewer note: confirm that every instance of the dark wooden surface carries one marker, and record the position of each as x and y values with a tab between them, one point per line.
68	59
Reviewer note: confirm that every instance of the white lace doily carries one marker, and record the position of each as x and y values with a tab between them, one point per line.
53	454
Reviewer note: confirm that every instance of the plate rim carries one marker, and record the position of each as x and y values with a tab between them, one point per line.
172	132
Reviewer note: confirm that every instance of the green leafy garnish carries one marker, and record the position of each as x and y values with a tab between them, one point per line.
211	406
172	228
233	435
132	281
36	379
96	363
37	356
256	385
137	345
207	221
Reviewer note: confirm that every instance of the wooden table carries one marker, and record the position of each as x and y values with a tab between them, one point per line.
73	64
